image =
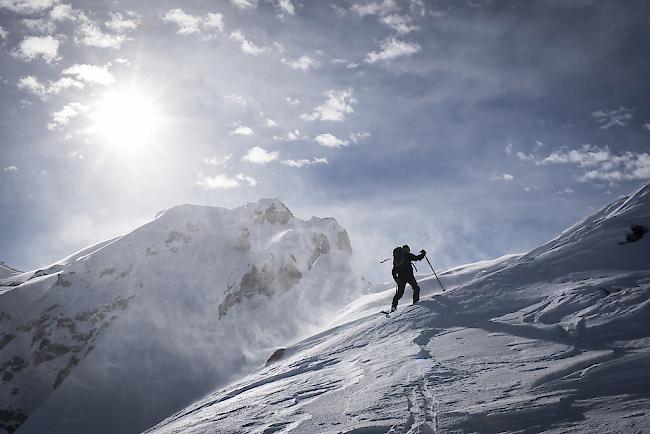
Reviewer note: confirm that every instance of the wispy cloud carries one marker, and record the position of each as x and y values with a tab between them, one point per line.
356	137
304	162
400	23
46	47
89	32
235	100
286	7
244	5
331	141
242	130
374	8
223	181
62	117
261	156
3	33
246	46
39	25
603	164
393	48
506	177
291	136
215	161
190	24
27	6
90	74
338	104
11	169
303	63
609	118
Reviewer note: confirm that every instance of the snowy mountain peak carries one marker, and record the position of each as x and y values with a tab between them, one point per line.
204	291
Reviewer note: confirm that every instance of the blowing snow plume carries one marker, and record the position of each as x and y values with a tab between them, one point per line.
556	340
116	337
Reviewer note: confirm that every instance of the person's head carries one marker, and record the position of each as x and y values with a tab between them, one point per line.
406	248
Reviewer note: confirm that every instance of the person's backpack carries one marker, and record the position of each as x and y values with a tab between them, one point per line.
399	258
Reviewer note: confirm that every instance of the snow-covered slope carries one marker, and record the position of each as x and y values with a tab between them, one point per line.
6	271
121	334
556	340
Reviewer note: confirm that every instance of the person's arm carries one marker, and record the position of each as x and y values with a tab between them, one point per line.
394	273
419	257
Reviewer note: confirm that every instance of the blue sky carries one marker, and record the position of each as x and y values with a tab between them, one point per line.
470	128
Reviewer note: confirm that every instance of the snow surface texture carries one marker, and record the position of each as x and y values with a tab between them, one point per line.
556	340
119	335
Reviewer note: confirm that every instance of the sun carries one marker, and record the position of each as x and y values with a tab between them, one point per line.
126	119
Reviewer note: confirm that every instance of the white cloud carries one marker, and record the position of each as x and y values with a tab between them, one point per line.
291	136
603	165
270	123
303	63
506	177
120	23
214	21
122	61
508	148
63	116
235	99
374	8
338	104
90	34
27	6
586	156
62	12
214	161
11	169
331	141
286	7
76	154
31	84
392	48
39	25
401	24
292	101
247	179
46	47
647	125
355	137
3	33
305	162
188	24
222	181
242	131
244	4
246	46
90	74
258	155
619	117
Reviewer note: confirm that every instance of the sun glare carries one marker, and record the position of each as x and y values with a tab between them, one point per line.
125	119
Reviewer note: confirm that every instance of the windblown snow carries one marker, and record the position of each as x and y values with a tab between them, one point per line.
556	340
116	337
169	327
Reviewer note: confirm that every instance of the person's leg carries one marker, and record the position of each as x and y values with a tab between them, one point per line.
416	289
401	284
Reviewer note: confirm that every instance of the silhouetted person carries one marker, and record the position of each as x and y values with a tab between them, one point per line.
403	273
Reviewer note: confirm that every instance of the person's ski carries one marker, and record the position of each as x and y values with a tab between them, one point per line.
385	312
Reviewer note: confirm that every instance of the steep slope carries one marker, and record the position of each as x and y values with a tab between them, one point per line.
6	271
116	336
555	340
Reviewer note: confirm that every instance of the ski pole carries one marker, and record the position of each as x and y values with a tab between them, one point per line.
434	272
387	259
